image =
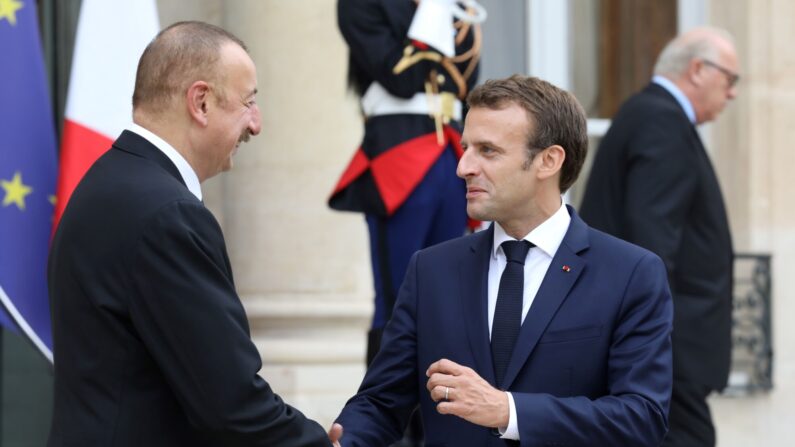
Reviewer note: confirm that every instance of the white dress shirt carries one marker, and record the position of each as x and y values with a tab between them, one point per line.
547	237
185	170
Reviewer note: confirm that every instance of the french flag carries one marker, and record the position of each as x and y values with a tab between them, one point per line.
111	35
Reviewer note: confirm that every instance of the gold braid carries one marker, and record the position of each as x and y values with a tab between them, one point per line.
410	57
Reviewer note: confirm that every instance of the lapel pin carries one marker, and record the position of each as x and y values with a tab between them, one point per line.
566	268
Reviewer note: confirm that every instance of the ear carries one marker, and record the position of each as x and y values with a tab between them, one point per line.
550	161
197	98
695	71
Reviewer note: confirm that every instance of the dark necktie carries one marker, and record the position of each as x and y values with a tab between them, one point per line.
508	311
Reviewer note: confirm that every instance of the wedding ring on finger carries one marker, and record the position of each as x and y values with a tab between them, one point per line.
446	392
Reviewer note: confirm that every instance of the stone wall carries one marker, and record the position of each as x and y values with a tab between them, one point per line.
302	271
753	153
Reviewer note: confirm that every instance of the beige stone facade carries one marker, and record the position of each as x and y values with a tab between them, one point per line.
753	153
303	270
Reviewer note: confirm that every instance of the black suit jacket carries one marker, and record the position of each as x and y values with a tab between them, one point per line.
652	184
151	343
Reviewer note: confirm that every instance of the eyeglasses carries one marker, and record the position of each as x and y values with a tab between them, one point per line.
731	76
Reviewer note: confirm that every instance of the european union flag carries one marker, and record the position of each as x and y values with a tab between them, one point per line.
27	175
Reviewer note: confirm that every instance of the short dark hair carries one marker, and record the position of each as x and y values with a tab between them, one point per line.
177	57
554	115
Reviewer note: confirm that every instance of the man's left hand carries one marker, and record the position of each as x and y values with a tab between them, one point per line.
460	391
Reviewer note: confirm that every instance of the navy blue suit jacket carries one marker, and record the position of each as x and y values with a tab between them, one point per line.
592	365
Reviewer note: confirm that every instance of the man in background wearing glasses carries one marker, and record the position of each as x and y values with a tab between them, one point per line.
653	184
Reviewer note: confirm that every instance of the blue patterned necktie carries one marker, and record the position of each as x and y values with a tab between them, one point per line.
508	311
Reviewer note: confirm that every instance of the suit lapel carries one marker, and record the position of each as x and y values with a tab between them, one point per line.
713	185
474	270
557	283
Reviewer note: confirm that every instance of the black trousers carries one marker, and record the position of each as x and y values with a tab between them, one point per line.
690	421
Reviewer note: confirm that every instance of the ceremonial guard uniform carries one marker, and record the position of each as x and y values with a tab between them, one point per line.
412	66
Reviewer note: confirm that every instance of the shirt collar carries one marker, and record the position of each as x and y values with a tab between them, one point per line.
548	236
185	170
677	93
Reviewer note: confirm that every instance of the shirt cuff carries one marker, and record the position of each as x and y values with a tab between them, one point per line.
512	430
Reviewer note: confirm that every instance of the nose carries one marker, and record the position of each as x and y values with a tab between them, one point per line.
466	165
732	93
255	126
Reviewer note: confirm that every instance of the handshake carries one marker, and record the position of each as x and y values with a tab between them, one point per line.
457	390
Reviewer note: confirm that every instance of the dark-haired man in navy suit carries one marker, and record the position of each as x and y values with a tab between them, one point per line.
538	331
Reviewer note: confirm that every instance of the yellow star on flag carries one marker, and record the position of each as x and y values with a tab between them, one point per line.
8	10
15	190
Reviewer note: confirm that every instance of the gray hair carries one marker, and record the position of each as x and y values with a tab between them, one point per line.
698	43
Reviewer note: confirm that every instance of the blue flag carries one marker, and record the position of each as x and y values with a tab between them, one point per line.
27	175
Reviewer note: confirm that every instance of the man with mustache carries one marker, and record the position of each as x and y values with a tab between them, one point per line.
152	345
537	331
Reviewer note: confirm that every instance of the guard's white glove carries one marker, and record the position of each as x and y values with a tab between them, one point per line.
433	25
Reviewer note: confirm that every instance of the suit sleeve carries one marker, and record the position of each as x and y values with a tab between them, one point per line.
635	408
186	311
660	188
371	32
379	412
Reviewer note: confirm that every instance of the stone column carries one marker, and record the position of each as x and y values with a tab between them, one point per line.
302	270
753	142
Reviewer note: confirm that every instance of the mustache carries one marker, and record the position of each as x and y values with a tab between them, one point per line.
245	136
